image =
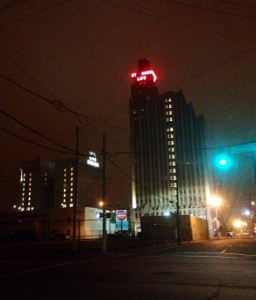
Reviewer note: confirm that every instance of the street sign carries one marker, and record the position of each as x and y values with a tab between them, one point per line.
121	215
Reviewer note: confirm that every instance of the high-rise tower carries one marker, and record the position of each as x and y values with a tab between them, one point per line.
168	150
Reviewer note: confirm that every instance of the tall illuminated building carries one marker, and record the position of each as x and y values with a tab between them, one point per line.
89	182
168	150
36	185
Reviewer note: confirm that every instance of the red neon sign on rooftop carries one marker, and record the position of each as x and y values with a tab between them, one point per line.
143	75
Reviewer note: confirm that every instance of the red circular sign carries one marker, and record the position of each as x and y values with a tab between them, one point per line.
121	215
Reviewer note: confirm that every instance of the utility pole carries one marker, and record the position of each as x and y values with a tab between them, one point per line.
75	192
104	234
178	202
178	212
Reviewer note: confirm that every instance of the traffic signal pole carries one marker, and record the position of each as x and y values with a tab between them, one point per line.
75	192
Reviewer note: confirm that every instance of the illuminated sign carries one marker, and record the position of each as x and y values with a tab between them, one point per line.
121	215
92	160
143	75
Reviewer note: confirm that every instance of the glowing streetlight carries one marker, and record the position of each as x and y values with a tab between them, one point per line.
239	224
214	201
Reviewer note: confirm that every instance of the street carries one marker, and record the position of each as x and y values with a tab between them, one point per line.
217	269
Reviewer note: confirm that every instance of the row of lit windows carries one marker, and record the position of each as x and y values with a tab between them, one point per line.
169	120
24	174
24	183
64	205
170	129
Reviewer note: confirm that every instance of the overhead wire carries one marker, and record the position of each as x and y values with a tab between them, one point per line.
34	143
10	5
191	26
35	13
34	131
211	9
128	176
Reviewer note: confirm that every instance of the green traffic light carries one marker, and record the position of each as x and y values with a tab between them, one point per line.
223	162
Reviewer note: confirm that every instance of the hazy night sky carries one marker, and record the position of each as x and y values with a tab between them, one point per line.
82	53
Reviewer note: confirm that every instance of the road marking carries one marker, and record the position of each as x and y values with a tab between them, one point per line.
230	245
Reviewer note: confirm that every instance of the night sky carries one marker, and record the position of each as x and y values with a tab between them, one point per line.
68	63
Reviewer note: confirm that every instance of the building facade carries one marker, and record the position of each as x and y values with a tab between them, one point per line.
89	183
36	185
168	151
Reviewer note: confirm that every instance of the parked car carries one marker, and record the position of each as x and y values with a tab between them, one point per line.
230	233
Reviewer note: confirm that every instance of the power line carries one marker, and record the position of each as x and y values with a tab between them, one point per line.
10	5
128	176
34	131
239	4
140	11
211	9
33	143
59	105
45	9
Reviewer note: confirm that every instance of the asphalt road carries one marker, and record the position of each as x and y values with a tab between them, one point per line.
218	269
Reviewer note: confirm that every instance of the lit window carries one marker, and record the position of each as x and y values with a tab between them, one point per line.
71	205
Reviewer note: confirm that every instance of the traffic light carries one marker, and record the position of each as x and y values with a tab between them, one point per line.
223	161
108	215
